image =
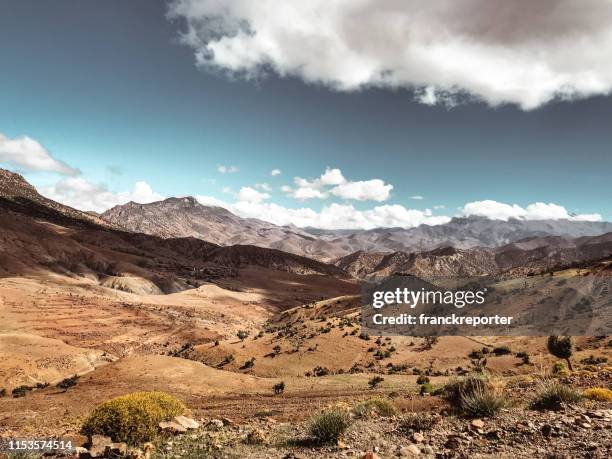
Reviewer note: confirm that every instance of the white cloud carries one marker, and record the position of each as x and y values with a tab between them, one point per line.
332	177
369	190
536	211
263	186
251	195
417	197
525	53
438	207
226	169
275	172
81	194
333	182
334	216
27	154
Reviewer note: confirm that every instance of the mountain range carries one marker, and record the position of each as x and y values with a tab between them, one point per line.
186	217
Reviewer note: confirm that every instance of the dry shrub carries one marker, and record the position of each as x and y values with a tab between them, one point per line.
133	418
601	394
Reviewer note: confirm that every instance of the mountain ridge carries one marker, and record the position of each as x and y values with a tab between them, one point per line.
180	217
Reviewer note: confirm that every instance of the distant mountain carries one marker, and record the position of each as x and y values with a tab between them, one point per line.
521	258
185	217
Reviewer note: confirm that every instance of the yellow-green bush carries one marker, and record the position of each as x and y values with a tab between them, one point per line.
133	418
600	394
380	406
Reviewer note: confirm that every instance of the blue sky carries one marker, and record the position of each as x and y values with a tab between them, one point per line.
106	88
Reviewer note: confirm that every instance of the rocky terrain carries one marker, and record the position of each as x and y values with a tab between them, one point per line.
526	256
256	341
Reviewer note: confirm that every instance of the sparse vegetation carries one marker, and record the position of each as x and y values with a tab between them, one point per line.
242	335
279	388
328	426
502	350
422	379
481	402
473	395
551	395
68	383
592	360
416	422
560	369
21	391
380	406
561	347
375	381
133	418
601	394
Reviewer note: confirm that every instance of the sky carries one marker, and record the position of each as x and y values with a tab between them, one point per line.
332	114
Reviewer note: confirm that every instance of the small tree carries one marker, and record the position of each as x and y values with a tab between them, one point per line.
561	347
375	381
242	335
276	349
279	388
68	383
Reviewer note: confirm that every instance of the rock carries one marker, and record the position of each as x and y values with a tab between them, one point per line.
409	451
77	439
228	422
171	427
186	422
116	450
418	437
371	455
546	430
98	445
477	424
427	450
453	443
257	437
215	424
342	445
100	440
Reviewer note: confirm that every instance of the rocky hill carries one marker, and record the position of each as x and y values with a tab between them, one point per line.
16	193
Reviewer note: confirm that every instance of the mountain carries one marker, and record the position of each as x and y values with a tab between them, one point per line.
185	217
17	194
524	257
461	233
40	237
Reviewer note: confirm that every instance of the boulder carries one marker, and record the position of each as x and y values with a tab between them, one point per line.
171	427
186	422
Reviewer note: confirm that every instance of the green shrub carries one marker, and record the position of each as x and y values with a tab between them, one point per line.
279	388
472	395
561	347
68	382
560	369
551	395
502	350
21	391
375	381
133	418
328	426
380	406
481	402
